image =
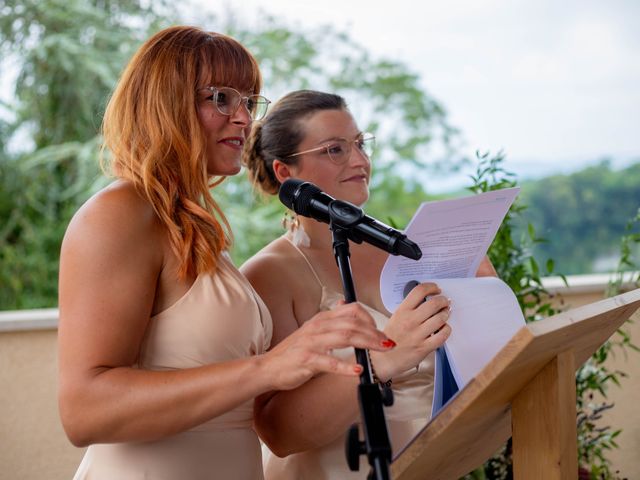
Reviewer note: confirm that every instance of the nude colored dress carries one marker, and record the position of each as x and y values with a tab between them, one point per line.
411	410
220	318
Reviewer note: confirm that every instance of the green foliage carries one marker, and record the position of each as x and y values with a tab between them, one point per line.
629	257
68	55
36	197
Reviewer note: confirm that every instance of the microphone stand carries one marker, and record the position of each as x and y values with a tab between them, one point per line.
376	444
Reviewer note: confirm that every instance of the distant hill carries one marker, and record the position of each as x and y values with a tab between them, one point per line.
583	215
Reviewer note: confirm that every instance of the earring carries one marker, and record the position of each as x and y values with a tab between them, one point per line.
290	220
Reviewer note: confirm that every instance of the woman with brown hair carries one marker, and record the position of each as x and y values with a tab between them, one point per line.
312	136
162	342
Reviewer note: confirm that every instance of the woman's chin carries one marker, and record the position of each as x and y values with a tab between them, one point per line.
359	198
228	171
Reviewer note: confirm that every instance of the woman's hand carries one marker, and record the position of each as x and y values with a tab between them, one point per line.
418	327
307	351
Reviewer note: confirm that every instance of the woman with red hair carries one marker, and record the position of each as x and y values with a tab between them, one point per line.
162	342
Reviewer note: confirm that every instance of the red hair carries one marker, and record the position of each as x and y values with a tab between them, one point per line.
152	131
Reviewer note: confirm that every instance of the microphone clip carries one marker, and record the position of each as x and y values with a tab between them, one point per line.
345	216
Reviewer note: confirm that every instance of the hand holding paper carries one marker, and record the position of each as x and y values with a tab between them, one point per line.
454	236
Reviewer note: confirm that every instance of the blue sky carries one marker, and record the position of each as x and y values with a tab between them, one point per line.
556	85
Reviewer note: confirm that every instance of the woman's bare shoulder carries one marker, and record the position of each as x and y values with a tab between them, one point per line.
115	209
277	258
119	201
115	216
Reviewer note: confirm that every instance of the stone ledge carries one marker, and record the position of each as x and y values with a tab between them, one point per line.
24	320
592	283
47	318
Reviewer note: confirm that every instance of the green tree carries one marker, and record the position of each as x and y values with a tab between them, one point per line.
68	54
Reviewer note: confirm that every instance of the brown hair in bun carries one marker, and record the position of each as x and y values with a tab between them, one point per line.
280	133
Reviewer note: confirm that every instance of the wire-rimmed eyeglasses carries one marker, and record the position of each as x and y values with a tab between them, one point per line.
339	150
227	100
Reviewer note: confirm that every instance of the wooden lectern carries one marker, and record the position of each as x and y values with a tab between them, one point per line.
528	392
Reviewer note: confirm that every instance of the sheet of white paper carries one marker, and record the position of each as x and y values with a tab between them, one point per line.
484	316
454	236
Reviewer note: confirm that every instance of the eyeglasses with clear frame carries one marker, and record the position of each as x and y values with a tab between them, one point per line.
227	100
339	150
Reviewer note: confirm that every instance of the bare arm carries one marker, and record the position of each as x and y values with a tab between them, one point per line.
111	261
109	270
320	410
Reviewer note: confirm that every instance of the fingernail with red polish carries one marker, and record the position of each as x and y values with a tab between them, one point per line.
388	343
357	369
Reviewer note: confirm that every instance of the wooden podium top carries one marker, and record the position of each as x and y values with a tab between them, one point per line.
477	422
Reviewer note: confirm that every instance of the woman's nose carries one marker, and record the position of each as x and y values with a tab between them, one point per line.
358	157
241	116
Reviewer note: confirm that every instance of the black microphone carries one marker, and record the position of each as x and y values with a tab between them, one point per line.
308	200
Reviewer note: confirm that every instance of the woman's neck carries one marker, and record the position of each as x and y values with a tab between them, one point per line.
319	235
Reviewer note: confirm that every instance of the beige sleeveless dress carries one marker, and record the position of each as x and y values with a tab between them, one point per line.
220	318
411	410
